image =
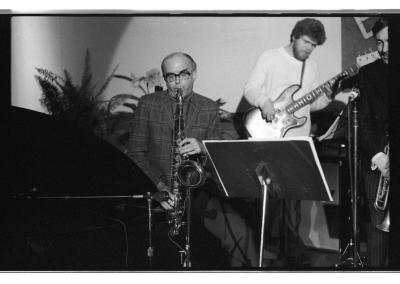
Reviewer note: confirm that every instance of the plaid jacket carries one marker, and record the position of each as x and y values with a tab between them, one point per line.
151	134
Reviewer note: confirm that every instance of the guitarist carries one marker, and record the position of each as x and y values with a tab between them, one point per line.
274	71
277	69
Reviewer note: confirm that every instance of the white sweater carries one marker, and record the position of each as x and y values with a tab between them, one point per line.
276	70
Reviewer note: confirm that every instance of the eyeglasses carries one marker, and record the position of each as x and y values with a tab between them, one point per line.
183	75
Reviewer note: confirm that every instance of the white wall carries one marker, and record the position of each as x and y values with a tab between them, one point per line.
59	43
225	49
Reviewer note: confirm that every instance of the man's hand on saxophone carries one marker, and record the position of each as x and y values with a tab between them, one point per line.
168	204
190	146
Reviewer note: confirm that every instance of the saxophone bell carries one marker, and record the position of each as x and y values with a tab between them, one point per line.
191	174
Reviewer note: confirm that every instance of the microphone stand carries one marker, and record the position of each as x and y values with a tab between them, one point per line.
187	262
354	260
150	249
265	181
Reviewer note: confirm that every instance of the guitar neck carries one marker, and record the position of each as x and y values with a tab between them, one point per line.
320	90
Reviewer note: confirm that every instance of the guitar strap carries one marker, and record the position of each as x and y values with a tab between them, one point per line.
303	67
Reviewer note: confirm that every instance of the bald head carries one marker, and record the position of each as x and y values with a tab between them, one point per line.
179	56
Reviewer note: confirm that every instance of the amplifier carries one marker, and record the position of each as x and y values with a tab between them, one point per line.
325	225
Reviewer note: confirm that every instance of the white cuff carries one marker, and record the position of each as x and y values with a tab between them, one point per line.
373	160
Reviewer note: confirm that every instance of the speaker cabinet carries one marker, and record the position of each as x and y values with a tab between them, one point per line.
324	224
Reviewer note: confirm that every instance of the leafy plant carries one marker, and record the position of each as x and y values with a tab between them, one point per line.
76	103
146	84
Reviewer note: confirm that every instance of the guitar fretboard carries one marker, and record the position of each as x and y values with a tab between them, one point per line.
320	90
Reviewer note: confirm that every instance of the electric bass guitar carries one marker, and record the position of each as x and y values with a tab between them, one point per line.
286	106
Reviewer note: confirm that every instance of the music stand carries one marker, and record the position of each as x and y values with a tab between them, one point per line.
288	167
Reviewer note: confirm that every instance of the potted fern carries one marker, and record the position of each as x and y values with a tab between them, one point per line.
79	104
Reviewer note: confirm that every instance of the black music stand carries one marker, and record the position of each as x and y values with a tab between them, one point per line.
289	167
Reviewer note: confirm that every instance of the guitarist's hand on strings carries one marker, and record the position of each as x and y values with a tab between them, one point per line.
167	204
336	87
268	111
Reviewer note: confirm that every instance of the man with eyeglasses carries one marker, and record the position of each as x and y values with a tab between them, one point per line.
373	82
151	143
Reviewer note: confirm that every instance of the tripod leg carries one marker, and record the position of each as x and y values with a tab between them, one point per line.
187	262
264	210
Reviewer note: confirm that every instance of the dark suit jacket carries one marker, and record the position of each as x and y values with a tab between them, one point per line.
150	144
373	114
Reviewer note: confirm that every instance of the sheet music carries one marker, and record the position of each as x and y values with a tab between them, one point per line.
309	141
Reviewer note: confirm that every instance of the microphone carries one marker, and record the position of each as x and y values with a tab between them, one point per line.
158	196
355	93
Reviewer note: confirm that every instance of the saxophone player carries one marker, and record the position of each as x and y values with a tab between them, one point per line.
373	107
151	141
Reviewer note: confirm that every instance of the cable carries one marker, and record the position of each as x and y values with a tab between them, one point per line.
125	233
170	234
174	242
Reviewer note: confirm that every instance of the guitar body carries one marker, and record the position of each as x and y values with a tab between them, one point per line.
257	127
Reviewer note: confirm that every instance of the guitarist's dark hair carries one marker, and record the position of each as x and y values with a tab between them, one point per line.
379	25
309	27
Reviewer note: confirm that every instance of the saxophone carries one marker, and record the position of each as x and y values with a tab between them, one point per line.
185	173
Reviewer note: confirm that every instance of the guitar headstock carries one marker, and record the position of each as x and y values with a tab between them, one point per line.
367	58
